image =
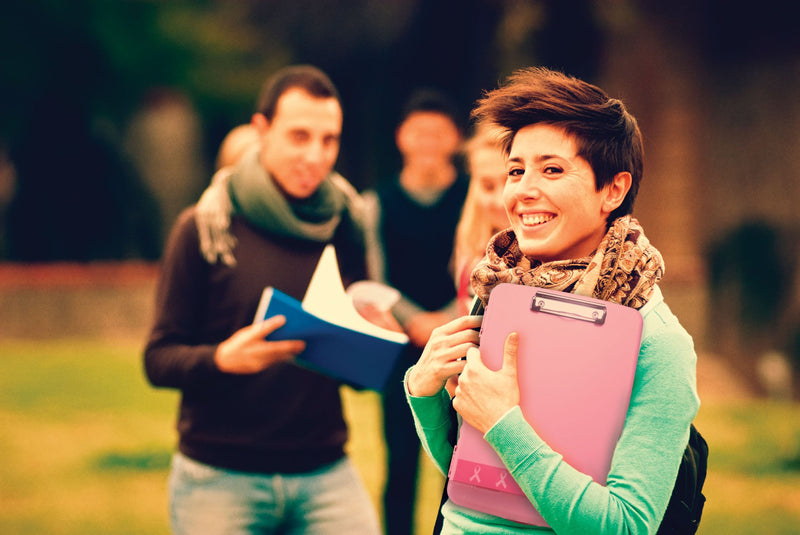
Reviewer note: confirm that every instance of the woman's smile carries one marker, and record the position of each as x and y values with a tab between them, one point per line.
534	220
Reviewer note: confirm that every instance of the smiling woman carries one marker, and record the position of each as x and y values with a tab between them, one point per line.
574	165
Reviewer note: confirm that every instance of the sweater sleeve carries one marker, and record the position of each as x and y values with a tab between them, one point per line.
374	250
433	423
646	459
176	355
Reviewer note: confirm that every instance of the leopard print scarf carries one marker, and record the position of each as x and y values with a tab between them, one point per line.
624	269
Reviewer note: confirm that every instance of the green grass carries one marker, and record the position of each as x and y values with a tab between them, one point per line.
753	483
85	445
85	442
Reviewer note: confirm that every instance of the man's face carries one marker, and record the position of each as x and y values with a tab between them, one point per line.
300	145
427	139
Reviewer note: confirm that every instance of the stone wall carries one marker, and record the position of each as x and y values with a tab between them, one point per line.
41	301
69	299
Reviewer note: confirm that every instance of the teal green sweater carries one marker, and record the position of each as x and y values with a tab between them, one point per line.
663	403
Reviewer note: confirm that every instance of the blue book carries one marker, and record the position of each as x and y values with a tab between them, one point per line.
339	342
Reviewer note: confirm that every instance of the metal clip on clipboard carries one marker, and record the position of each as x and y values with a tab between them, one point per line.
561	304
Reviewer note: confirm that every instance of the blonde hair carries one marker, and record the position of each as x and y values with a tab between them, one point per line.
474	229
235	144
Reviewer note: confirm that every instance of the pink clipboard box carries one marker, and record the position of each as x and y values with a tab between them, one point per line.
576	363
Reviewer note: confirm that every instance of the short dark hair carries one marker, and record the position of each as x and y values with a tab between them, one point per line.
606	134
306	77
428	99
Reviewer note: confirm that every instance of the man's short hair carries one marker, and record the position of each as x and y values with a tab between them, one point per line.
306	77
606	134
428	99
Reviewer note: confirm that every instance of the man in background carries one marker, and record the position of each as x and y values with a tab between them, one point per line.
261	440
412	220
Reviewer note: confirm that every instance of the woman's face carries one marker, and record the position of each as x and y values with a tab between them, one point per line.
487	168
550	196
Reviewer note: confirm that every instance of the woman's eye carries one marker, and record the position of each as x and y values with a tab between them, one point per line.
552	170
487	185
512	173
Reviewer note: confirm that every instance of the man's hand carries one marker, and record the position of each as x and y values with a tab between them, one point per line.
379	316
483	396
246	351
440	358
420	327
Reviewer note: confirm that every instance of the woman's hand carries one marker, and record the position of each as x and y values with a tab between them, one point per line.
246	351
483	396
443	355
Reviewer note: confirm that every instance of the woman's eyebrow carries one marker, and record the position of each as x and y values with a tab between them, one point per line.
545	157
538	158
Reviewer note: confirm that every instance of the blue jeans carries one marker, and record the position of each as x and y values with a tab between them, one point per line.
208	500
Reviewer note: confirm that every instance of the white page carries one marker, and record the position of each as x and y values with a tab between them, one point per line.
327	299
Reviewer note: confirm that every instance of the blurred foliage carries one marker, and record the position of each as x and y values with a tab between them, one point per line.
75	73
147	459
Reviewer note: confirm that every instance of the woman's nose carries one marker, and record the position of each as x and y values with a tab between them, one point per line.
529	186
497	199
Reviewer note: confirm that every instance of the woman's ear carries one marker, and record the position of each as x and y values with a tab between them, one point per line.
616	190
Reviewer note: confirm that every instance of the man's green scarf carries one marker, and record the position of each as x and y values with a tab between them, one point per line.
249	191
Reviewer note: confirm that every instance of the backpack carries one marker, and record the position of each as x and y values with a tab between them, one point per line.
686	503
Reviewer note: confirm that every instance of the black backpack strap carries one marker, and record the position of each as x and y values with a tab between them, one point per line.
452	437
685	507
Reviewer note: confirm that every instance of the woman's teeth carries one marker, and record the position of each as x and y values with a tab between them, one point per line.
536	219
